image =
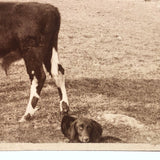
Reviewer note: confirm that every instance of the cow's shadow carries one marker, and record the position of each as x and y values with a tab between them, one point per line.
135	93
139	90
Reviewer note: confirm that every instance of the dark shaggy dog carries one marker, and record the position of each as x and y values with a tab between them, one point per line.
81	129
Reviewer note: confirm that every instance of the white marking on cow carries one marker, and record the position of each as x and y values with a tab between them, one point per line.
60	82
32	72
44	68
64	94
33	93
58	76
54	62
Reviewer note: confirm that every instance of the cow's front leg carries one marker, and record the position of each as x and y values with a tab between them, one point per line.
37	77
60	82
34	96
57	72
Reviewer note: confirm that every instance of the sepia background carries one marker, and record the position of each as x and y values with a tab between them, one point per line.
110	50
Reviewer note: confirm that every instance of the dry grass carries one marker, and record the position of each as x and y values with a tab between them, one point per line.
110	50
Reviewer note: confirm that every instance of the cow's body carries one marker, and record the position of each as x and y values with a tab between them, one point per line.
30	31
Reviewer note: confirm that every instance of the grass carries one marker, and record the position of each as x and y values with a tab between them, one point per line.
110	52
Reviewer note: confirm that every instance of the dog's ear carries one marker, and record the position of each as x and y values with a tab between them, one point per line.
96	131
73	131
66	124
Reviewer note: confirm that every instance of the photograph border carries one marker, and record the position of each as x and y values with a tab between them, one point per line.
78	147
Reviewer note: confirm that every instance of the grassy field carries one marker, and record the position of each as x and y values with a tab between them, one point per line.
110	50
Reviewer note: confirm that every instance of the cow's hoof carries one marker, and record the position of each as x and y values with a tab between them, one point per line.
25	118
22	120
37	108
65	108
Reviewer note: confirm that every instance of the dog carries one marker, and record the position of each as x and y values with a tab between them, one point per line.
81	130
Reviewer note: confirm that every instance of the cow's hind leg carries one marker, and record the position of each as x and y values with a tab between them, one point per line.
57	72
37	77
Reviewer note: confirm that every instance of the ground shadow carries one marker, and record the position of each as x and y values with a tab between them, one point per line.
139	90
137	98
132	90
110	139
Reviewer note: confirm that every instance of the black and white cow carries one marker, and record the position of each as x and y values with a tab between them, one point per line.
30	31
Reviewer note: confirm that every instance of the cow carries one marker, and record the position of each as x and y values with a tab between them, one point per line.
29	31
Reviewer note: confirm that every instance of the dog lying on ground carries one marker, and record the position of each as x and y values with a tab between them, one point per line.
81	129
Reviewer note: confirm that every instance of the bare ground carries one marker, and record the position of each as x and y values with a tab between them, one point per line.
111	53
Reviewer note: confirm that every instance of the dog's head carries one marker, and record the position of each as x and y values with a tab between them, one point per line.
82	130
